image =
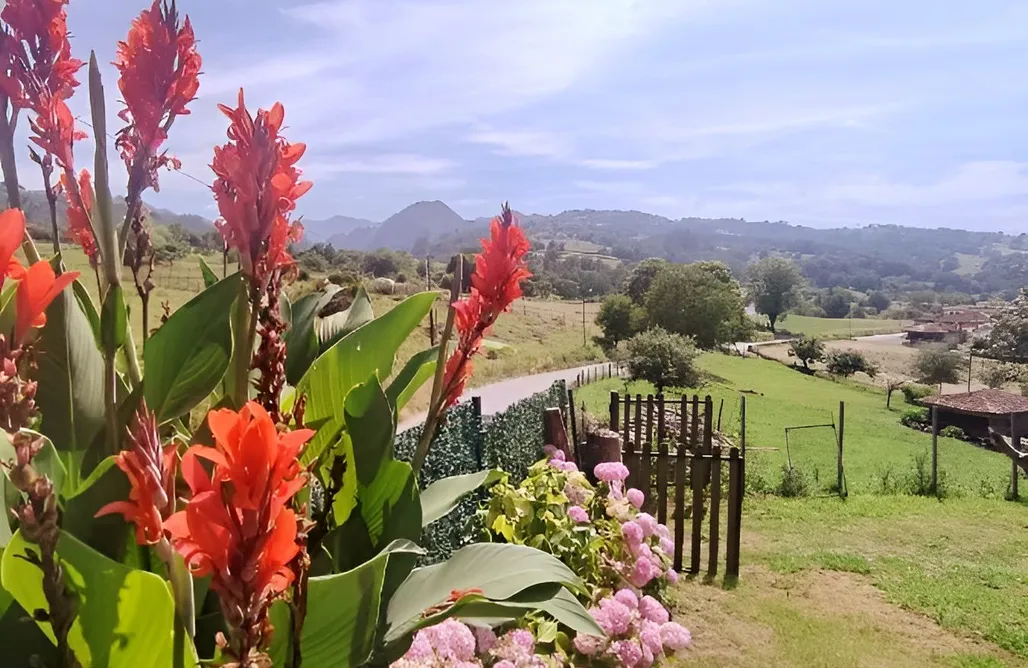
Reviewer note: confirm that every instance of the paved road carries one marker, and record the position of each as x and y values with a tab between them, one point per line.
498	396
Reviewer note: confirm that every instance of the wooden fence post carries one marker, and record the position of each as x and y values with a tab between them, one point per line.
735	494
715	509
842	430
935	449
680	455
645	471
1015	441
554	433
615	403
649	418
571	414
638	441
662	455
628	444
742	422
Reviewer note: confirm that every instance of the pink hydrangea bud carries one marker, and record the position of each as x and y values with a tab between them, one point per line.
666	546
611	471
650	637
672	576
590	645
648	524
628	652
485	638
635	497
578	514
617	615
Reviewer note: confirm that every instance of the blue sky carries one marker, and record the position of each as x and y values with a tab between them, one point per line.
820	113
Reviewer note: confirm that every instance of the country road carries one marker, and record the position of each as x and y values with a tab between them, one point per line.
498	396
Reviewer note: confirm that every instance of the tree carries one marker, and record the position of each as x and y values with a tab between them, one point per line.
701	300
845	363
617	318
773	284
662	358
997	374
836	303
808	349
935	366
878	300
1008	340
641	277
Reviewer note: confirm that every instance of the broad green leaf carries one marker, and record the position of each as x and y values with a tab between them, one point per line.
107	534
125	617
281	650
442	496
301	339
187	357
113	319
21	639
339	630
367	351
8	309
338	325
70	490
500	571
551	598
209	277
88	307
412	376
372	425
71	370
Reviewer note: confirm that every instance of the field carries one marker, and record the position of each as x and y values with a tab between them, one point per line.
871	581
831	328
880	453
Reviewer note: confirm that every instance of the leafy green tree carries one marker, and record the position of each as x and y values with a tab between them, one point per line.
836	303
618	318
878	300
808	349
845	363
934	366
773	284
641	277
663	358
1008	340
701	300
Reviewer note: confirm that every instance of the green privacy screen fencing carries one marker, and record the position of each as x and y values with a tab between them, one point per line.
511	440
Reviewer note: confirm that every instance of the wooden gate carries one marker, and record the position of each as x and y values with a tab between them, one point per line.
678	461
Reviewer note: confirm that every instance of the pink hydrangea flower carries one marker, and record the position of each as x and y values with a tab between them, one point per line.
578	514
452	640
628	652
628	598
672	576
648	524
590	645
611	471
617	617
651	609
650	637
643	572
632	533
485	638
550	450
563	466
504	664
667	546
635	497
558	455
675	636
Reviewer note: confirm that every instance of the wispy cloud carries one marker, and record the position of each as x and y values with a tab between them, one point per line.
403	163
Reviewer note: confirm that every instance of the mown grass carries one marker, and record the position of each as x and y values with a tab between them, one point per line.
831	328
879	453
962	563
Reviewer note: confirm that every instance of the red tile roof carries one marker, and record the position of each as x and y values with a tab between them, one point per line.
982	402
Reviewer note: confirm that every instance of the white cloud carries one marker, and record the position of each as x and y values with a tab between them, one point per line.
618	165
522	142
971	182
399	163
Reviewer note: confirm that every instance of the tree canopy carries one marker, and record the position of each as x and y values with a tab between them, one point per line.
663	358
700	300
772	284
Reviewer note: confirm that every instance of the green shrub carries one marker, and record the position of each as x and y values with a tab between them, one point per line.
953	431
793	483
663	358
848	362
913	392
915	418
919	481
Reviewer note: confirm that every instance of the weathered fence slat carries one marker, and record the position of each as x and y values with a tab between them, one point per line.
662	455
646	476
615	403
637	460
649	419
735	491
679	507
715	509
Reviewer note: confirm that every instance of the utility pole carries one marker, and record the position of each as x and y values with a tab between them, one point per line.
431	312
970	357
583	321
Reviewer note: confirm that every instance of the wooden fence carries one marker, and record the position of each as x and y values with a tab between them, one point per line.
676	458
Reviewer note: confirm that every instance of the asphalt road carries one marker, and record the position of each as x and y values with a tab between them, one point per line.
499	396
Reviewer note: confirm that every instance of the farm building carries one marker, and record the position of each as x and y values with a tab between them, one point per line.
965	320
978	412
932	332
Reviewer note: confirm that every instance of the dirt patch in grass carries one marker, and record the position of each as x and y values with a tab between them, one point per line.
817	618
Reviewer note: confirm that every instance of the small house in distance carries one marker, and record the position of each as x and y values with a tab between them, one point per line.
978	412
932	332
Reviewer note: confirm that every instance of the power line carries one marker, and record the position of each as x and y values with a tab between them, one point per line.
177	171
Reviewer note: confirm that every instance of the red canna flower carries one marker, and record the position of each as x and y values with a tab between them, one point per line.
160	68
38	287
237	526
495	284
37	53
151	472
80	212
257	186
12	231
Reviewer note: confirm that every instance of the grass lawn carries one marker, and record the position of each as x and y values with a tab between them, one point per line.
869	581
879	452
830	328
